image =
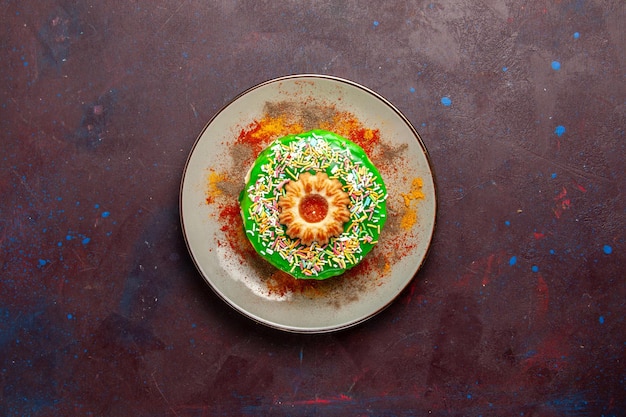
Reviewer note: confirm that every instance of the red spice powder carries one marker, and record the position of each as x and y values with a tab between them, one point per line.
258	134
249	137
347	125
230	216
232	226
281	283
366	139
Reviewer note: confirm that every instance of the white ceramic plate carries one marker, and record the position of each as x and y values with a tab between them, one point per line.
244	281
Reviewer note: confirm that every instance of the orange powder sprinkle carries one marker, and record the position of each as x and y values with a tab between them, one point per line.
346	125
261	132
213	191
409	219
281	283
415	193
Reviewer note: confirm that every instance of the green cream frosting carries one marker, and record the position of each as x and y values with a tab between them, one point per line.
284	160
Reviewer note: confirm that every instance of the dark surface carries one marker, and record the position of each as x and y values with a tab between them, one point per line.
519	310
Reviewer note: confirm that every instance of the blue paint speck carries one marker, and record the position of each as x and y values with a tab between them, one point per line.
469	396
559	130
601	319
412	90
106	214
68	237
607	249
507	223
42	262
552	252
505	69
185	55
553	175
25	63
513	260
376	23
576	35
446	101
535	268
60	244
96	206
69	316
556	65
86	240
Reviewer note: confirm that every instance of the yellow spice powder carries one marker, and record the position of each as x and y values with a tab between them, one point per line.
342	124
415	193
409	219
272	127
213	189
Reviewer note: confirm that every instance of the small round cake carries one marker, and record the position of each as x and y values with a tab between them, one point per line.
313	204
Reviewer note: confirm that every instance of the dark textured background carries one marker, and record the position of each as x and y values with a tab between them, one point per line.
519	310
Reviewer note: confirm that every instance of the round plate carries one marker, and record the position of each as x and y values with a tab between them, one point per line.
214	176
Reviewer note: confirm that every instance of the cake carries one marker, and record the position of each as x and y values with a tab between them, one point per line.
313	204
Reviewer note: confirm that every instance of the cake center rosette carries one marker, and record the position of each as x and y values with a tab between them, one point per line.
313	204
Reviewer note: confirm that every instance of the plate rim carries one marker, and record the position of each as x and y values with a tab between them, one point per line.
290	328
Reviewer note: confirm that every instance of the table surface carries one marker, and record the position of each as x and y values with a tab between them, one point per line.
518	310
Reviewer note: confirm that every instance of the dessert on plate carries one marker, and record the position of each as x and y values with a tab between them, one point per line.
313	204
